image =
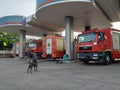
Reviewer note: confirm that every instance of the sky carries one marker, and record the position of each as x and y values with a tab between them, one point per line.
17	7
24	8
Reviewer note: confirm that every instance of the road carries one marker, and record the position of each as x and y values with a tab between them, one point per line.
52	76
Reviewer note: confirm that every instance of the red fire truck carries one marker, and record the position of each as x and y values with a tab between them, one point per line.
98	45
36	47
53	47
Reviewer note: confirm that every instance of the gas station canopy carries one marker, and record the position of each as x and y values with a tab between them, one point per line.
93	13
16	23
50	16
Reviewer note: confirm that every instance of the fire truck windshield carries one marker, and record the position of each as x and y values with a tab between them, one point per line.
32	45
86	37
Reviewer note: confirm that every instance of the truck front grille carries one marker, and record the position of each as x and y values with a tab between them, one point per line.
85	48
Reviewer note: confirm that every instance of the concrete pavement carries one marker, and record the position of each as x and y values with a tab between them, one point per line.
52	76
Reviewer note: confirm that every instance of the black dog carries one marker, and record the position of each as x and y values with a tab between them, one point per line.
32	63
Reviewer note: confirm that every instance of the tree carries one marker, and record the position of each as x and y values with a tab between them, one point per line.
7	39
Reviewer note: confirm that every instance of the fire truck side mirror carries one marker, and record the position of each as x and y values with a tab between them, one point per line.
101	36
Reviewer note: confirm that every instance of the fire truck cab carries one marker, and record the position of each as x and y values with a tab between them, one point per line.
98	45
36	47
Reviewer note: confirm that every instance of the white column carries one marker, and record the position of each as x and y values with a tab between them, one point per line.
69	36
22	43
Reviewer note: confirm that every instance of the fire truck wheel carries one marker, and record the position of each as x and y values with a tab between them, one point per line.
107	59
86	62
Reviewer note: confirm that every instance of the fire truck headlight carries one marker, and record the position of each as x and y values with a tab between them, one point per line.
78	56
96	55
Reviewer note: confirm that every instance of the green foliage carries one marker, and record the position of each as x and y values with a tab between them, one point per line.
9	39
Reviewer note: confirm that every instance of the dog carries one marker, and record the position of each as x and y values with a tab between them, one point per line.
32	64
